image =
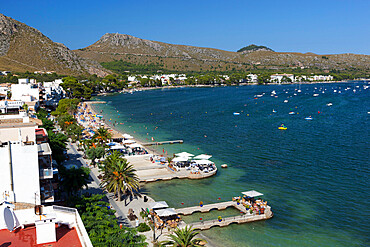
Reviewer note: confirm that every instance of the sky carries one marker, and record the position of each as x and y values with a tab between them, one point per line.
322	27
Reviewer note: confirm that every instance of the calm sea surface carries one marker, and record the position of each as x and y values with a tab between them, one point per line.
315	174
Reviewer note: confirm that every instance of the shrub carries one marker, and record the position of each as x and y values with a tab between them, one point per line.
143	227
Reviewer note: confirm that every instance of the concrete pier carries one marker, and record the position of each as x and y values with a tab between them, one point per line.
209	207
244	218
162	143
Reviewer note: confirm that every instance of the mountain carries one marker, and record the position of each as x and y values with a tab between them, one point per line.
113	47
252	48
24	48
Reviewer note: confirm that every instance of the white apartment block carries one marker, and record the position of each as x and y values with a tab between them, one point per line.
25	166
279	77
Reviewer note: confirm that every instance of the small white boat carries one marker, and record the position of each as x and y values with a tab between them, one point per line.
315	95
291	113
236	113
299	90
286	101
273	111
309	118
224	166
329	104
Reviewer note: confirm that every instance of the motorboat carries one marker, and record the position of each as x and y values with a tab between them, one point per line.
236	113
329	104
309	118
291	113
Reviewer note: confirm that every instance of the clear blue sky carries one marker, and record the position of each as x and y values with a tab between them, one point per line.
323	27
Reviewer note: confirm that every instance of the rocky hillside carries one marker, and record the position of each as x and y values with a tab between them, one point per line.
131	49
25	48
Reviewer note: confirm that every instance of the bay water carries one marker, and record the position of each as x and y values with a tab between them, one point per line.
314	174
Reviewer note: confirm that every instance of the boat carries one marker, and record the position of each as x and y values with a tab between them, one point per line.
329	104
224	166
309	118
273	111
291	113
236	113
286	101
282	127
315	95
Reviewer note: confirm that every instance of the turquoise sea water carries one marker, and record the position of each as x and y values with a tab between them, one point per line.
315	174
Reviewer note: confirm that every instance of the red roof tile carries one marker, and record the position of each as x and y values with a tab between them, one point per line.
27	237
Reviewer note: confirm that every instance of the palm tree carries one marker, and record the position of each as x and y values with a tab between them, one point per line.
119	176
184	238
102	135
72	180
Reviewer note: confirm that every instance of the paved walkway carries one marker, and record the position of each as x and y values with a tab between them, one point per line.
121	207
209	207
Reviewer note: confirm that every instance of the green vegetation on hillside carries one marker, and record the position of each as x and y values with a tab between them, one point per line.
254	48
120	67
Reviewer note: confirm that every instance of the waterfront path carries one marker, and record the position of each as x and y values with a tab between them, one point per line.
245	218
209	207
121	207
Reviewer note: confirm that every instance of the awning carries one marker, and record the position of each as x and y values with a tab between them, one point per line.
128	141
127	136
203	162
166	212
180	159
184	154
111	144
155	205
252	193
203	157
135	145
117	147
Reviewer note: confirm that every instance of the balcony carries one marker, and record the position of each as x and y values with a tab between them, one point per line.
46	173
47	192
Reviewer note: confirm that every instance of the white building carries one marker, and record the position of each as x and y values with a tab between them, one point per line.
53	92
321	78
252	77
279	77
28	91
6	105
25	166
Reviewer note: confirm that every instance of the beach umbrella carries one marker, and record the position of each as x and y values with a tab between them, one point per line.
184	154
203	157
